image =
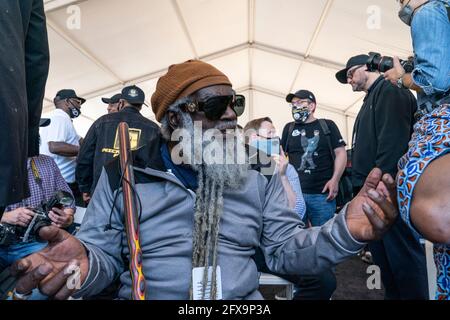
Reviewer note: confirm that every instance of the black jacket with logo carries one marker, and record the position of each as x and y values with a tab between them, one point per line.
382	130
101	145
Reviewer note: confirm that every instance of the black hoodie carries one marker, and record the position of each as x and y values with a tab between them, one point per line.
382	130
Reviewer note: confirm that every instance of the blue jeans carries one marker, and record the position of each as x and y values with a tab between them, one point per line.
9	255
318	209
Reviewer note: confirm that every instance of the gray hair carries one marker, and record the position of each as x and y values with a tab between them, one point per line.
213	180
166	130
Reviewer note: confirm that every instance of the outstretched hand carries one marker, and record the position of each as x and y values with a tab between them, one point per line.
52	269
374	210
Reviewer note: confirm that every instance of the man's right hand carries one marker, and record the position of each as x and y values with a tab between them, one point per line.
50	269
18	217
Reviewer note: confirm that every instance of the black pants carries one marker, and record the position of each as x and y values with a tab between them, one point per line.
319	287
402	262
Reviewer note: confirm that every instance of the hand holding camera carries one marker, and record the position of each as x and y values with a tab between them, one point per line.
396	74
22	225
18	217
394	69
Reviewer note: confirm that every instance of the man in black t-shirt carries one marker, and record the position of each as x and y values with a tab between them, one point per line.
317	151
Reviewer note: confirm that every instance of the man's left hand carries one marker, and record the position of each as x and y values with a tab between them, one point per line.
395	73
62	218
374	210
332	187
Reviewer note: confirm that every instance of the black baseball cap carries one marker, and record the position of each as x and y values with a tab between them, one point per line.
69	94
114	99
44	122
134	95
359	60
302	94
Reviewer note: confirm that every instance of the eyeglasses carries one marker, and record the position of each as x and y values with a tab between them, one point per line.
351	72
215	107
300	104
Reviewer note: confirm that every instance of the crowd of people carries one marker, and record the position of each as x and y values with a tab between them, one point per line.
220	202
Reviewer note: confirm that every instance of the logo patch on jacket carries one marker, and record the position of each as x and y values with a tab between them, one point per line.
135	137
295	133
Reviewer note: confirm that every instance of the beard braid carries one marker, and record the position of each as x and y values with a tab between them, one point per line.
213	180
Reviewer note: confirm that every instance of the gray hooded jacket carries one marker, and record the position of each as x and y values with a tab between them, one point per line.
254	215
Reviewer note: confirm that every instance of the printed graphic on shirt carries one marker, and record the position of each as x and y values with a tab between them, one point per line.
309	146
135	137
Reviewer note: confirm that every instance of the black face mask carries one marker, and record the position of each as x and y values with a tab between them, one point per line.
74	111
215	107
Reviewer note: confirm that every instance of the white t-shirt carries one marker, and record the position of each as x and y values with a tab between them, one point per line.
61	129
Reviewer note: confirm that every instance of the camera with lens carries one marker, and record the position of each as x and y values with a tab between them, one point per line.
380	63
10	234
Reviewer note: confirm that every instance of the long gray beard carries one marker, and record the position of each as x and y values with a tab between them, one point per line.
213	180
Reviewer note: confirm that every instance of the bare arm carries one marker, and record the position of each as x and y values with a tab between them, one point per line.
63	149
430	207
340	162
399	72
409	83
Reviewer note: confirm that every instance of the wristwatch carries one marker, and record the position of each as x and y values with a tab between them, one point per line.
400	83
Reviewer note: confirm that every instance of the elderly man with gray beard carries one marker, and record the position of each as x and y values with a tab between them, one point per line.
200	215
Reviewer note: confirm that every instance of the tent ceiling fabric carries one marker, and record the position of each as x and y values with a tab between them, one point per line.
268	48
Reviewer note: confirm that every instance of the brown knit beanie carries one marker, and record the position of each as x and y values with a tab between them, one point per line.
183	80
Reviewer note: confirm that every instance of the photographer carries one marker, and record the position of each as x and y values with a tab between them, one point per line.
423	180
381	133
44	179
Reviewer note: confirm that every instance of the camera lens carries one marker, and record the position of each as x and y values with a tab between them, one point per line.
386	64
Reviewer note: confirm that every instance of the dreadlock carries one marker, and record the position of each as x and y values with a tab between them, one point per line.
213	180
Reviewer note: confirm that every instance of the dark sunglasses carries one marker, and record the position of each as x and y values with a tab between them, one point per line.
215	107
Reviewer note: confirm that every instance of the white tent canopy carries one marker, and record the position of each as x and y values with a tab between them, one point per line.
268	48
